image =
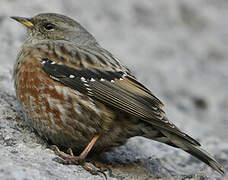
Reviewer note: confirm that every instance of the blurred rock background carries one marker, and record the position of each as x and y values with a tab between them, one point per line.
177	48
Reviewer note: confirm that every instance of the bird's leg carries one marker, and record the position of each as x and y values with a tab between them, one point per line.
88	148
79	160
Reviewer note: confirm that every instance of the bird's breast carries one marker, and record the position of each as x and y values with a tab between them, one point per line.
53	108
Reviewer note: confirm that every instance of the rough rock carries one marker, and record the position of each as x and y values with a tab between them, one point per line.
178	49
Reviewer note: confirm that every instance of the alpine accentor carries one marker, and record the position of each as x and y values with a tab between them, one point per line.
78	95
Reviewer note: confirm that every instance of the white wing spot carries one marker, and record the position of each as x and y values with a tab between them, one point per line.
71	76
112	81
53	62
54	78
43	62
102	79
90	93
92	80
155	108
83	79
121	79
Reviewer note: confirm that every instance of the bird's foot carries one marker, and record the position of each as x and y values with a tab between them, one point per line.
71	159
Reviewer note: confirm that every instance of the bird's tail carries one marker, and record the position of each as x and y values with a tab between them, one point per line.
194	150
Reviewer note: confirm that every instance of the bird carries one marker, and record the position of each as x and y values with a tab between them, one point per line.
78	95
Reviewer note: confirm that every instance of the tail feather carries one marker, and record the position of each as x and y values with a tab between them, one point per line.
205	157
194	150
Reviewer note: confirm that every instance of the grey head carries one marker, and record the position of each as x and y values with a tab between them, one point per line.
51	26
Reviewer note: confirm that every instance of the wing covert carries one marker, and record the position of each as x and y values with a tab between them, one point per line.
115	88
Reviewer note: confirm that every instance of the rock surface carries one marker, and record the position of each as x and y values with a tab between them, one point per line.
178	49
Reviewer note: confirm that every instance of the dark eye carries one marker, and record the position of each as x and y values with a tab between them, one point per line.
49	26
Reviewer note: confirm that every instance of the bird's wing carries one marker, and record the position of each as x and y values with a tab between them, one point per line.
103	78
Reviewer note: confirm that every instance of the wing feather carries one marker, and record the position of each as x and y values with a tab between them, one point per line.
113	86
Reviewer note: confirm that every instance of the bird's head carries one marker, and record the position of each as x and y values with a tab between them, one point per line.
51	26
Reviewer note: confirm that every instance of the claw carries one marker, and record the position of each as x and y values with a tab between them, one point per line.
93	170
70	152
79	160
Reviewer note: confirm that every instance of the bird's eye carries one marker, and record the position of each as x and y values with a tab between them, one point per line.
49	26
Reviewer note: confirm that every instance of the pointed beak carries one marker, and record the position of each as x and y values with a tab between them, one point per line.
25	21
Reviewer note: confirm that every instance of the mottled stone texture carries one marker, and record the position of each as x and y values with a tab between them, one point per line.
179	49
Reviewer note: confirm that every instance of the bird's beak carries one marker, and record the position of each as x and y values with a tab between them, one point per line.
25	21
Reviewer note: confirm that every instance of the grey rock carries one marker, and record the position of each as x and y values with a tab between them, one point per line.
178	49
